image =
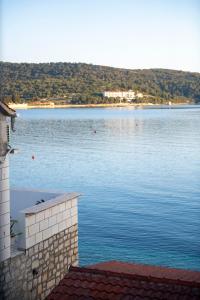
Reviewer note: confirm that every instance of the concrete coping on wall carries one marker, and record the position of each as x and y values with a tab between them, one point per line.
50	203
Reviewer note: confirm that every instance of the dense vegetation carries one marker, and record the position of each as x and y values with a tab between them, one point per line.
84	83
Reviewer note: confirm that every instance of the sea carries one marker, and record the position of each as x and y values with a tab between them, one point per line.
137	169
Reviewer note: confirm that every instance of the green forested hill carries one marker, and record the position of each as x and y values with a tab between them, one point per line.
83	83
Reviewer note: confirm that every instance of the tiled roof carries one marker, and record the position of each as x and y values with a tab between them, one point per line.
149	270
123	281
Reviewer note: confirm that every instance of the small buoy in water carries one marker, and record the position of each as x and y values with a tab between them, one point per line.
95	131
33	157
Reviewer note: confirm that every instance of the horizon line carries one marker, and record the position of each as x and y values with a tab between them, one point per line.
108	66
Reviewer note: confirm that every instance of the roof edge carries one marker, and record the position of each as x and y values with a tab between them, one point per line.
6	110
134	276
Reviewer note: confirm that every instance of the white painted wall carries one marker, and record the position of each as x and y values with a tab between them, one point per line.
4	211
4	193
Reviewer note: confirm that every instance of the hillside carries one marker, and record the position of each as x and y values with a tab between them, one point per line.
83	83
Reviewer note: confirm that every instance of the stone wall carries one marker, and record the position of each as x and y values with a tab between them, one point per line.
32	274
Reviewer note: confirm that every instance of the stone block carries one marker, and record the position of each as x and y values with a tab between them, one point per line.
38	237
30	285
4	185
59	217
61	258
51	266
74	202
46	244
62	233
30	241
62	207
30	220
44	224
36	249
39	279
30	252
67	214
4	231
35	264
60	248
68	222
62	225
39	289
44	277
75	262
55	243
41	246
68	204
33	229
40	216
4	173
4	254
5	196
64	215
4	207
75	251
54	210
4	219
5	242
46	258
52	220
47	213
55	229
46	233
57	280
67	243
51	240
74	211
74	219
34	293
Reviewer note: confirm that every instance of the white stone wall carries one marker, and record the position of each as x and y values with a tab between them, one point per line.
4	211
47	219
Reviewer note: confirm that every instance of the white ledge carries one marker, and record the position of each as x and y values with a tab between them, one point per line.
50	203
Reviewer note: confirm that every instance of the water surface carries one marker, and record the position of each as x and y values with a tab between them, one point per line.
138	171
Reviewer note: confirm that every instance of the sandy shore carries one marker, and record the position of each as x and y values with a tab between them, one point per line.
25	106
29	106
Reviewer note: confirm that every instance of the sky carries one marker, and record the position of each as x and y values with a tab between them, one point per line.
133	34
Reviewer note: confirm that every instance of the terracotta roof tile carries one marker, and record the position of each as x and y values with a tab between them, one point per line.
148	270
119	281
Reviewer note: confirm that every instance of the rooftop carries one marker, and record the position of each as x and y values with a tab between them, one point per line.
117	280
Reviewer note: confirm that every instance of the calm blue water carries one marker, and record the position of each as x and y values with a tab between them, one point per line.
139	175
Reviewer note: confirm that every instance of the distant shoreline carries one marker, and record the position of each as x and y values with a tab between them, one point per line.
24	106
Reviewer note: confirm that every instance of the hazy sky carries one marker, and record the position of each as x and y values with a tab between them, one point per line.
124	33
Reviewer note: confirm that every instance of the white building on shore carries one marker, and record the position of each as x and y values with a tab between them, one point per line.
128	95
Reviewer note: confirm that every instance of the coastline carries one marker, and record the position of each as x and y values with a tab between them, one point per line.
26	106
